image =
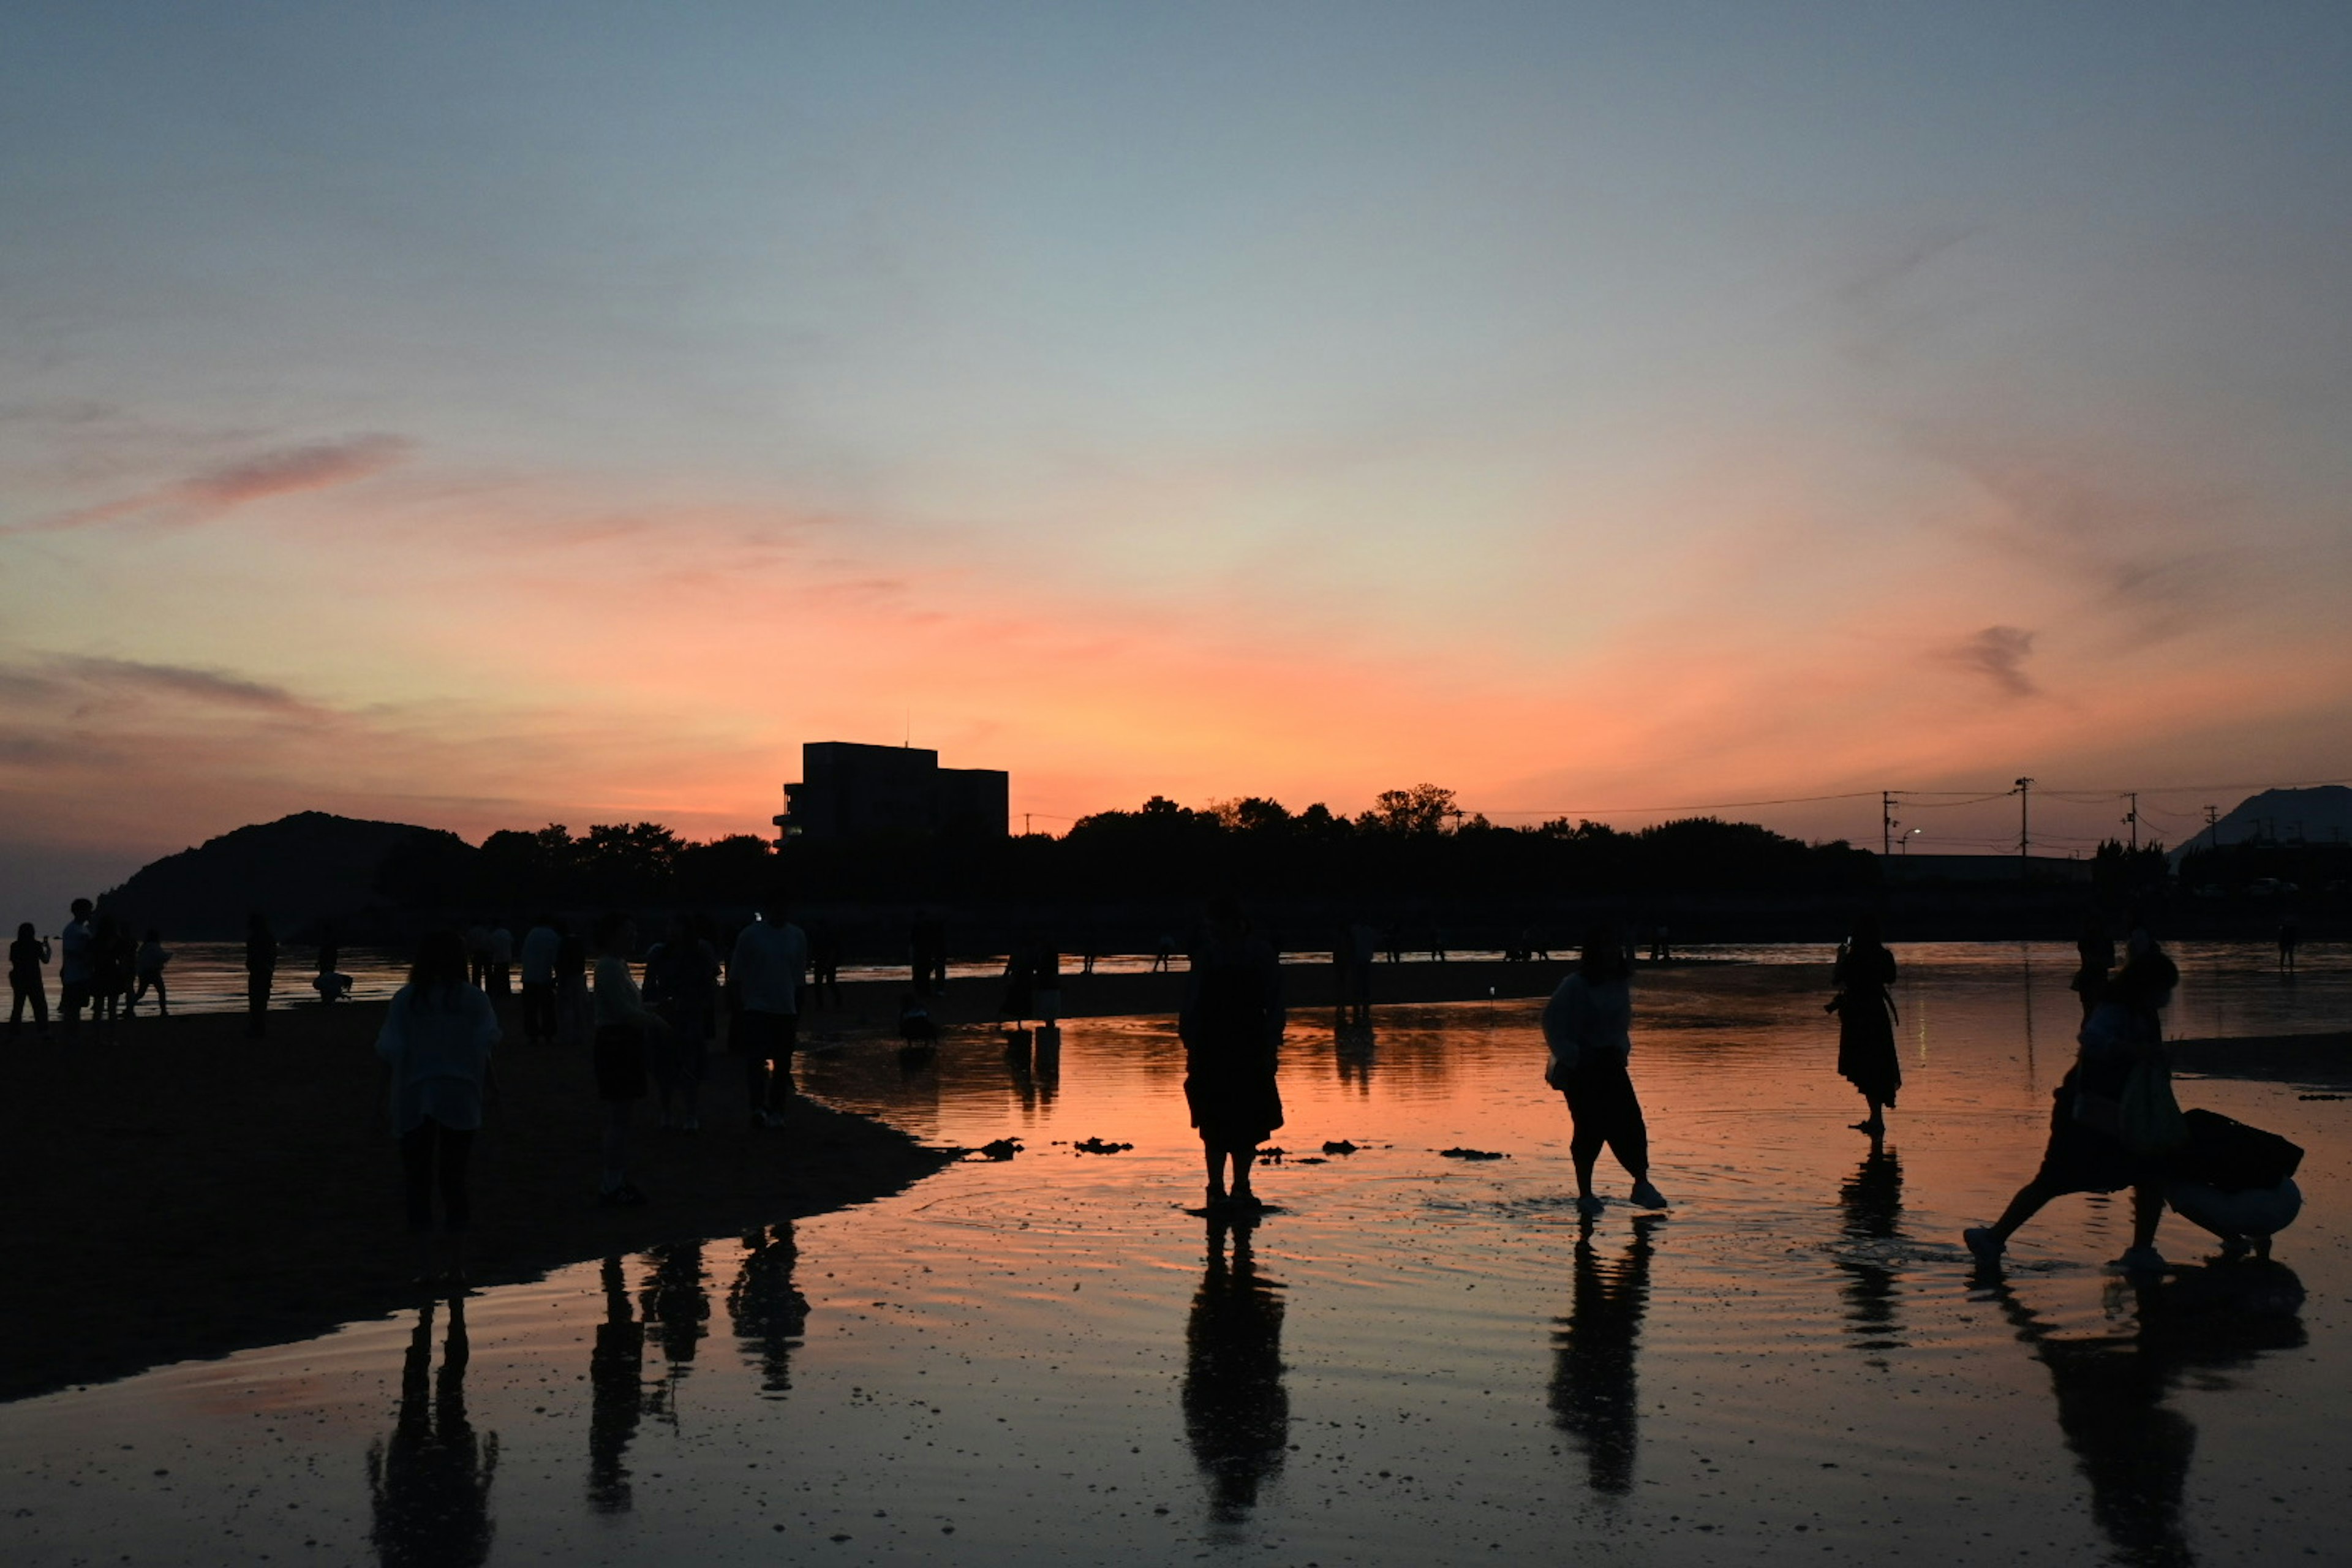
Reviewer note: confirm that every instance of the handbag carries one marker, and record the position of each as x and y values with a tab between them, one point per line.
2150	1122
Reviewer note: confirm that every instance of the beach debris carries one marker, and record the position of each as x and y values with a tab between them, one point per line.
1001	1149
1460	1153
1311	1160
1338	1146
1272	1153
1097	1146
2323	1097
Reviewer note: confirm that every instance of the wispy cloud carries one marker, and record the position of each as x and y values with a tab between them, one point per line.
225	486
1998	654
184	683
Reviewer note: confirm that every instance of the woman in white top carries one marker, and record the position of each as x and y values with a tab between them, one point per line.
435	1045
1588	1024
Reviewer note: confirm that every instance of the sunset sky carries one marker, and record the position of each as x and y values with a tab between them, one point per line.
482	414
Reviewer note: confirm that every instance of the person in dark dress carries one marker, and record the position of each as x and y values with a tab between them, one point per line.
2086	1152
1231	1028
1866	1011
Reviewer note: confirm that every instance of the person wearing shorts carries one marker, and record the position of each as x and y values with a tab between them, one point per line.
769	959
618	1049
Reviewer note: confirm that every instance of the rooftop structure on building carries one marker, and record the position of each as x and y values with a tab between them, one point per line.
848	789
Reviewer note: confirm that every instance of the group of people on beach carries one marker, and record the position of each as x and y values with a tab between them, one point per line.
102	968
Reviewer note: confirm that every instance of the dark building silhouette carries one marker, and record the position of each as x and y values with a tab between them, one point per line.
847	789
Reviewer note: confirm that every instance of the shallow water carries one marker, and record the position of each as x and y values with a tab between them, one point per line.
1419	1359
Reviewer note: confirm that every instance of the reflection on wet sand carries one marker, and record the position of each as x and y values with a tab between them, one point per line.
1236	1412
615	1388
1353	1048
1593	1398
431	1482
678	1314
769	1315
2131	1447
1872	1202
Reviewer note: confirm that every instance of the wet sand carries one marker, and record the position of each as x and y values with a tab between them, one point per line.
178	1190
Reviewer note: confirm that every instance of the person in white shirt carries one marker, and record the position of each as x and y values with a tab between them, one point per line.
769	960
539	945
435	1045
74	967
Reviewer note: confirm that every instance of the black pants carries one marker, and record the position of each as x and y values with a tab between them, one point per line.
35	993
1602	1103
762	1038
73	995
431	1155
539	1009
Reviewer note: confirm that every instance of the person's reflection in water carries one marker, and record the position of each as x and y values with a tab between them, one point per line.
769	1315
2132	1447
431	1483
678	1314
1353	1048
1236	1412
1872	1200
1593	1399
616	1394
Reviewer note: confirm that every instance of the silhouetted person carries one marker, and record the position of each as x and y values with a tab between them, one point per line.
1588	1025
2132	1447
540	946
147	974
1872	1202
1231	1028
615	1393
26	986
2086	1152
1236	1412
1045	982
2095	954
1864	1004
824	964
331	983
436	1046
110	975
74	965
431	1482
1163	955
916	1027
576	1008
930	947
768	1314
1019	1003
769	958
2289	938
682	987
501	962
1594	1398
478	955
625	1030
260	972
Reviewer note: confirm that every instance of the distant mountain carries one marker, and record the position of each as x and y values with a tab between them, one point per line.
2322	814
308	867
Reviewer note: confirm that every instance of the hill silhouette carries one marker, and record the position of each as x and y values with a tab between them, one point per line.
308	867
2320	815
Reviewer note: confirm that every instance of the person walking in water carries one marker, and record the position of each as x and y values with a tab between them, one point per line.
1865	1010
150	972
1588	1024
260	972
2086	1151
1231	1028
435	1045
26	956
623	1024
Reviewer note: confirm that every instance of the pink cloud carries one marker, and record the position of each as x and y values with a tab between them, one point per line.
209	493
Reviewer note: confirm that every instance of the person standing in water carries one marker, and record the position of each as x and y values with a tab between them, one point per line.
1589	1024
1231	1028
2086	1152
1865	1010
149	970
74	965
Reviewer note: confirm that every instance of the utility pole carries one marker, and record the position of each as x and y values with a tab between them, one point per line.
2132	816
1886	821
2024	836
2214	827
